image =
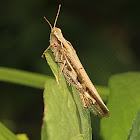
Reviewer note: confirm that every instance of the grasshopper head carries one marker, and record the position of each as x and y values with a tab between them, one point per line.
56	31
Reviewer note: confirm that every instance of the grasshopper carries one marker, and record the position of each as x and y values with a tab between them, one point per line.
74	72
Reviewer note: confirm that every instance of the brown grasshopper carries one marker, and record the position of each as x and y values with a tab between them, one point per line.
74	72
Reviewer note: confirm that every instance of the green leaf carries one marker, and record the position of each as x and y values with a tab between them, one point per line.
24	78
64	116
22	137
6	134
123	104
134	133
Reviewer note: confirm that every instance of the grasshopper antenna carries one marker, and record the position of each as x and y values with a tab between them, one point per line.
48	22
57	15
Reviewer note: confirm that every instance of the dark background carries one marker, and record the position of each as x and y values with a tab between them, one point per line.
105	34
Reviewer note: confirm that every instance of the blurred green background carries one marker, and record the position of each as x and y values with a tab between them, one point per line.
105	35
